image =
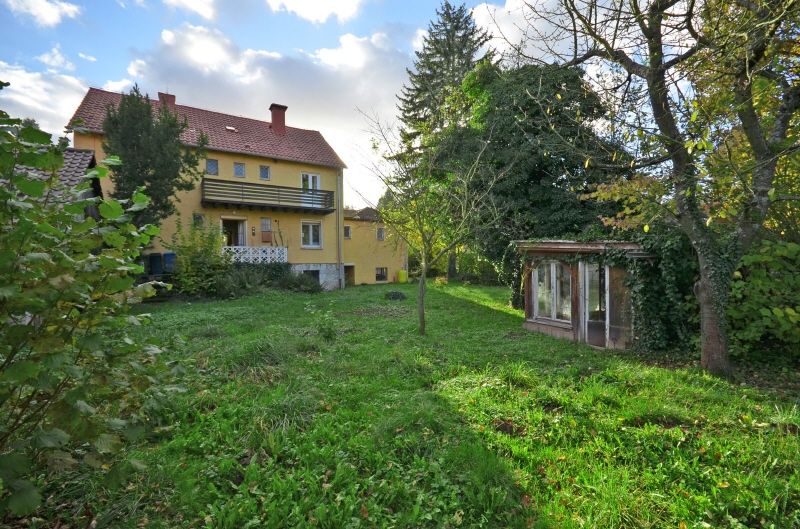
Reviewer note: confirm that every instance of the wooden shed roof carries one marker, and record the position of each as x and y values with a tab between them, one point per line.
560	246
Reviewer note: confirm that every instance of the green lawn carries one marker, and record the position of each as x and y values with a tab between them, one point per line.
478	424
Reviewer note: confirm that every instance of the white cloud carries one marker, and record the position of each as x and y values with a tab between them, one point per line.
419	39
204	8
45	13
118	86
87	57
318	11
55	60
48	97
136	68
324	89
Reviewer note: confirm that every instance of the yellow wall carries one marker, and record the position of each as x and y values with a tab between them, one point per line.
366	252
284	224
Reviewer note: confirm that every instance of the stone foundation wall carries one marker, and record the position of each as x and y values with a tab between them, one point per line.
329	274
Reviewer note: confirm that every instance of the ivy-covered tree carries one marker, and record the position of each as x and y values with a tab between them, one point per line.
530	111
153	156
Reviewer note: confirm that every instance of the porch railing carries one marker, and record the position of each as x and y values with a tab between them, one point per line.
258	254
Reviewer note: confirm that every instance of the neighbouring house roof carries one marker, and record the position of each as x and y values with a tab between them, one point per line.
76	163
368	214
225	132
553	246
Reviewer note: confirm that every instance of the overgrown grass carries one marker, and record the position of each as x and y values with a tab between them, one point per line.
478	424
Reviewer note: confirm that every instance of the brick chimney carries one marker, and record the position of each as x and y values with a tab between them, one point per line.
278	118
167	100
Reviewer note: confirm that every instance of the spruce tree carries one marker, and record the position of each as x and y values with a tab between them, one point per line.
148	144
449	51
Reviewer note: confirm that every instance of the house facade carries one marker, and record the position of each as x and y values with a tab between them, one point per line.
274	191
373	252
570	293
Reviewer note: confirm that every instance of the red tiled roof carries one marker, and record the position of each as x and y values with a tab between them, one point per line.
252	136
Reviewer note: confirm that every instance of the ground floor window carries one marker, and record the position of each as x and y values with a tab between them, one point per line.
311	235
381	273
552	284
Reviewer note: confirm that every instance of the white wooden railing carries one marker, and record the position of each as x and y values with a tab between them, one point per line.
257	254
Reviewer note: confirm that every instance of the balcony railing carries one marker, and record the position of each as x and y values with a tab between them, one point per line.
257	254
265	196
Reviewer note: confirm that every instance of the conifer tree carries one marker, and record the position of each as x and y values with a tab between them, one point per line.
449	51
153	157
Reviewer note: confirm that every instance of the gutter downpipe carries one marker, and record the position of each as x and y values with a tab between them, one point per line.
339	231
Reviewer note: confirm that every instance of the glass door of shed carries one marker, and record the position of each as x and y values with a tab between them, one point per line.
607	307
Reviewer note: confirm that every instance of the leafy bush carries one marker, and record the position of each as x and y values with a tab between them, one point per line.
476	269
764	312
325	323
299	283
200	261
440	281
74	385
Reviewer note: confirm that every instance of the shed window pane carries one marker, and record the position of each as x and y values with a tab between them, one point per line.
544	291
619	309
563	293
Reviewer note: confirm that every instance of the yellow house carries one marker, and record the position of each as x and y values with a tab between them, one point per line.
373	253
275	191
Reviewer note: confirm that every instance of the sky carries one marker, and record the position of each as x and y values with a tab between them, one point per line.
329	61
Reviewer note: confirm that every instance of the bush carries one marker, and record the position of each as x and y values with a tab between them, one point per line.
474	268
200	261
764	310
74	385
244	278
299	283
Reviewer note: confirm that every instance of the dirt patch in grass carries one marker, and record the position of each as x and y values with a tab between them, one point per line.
508	427
385	311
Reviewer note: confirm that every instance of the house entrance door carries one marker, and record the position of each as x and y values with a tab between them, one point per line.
234	232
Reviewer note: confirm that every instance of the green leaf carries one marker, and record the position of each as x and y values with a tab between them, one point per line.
30	186
118	475
13	466
53	438
34	135
110	209
21	371
24	498
107	443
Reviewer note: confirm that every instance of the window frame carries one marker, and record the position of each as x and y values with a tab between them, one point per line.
261	169
347	231
380	233
269	223
385	275
303	224
244	169
216	161
553	266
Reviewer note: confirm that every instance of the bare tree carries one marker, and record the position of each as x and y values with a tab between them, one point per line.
683	76
433	201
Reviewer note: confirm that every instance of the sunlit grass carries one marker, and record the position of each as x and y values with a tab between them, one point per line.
477	424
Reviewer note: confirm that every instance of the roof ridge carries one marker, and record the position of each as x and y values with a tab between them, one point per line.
206	110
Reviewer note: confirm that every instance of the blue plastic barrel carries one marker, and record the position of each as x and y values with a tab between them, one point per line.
169	263
156	264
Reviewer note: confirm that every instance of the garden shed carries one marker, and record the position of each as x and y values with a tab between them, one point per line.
579	290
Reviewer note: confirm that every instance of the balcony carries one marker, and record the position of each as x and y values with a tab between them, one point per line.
226	193
257	254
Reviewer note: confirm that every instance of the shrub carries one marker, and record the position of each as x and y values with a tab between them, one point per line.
764	312
200	261
74	385
440	281
299	283
245	278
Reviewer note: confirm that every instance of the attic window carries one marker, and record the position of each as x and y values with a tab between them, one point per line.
231	129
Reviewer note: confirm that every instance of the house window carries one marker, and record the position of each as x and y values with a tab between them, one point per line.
263	172
198	219
238	169
553	291
212	167
381	233
348	232
311	234
266	230
381	273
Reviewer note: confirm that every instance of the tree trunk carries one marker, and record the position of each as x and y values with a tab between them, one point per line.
421	298
712	297
452	265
